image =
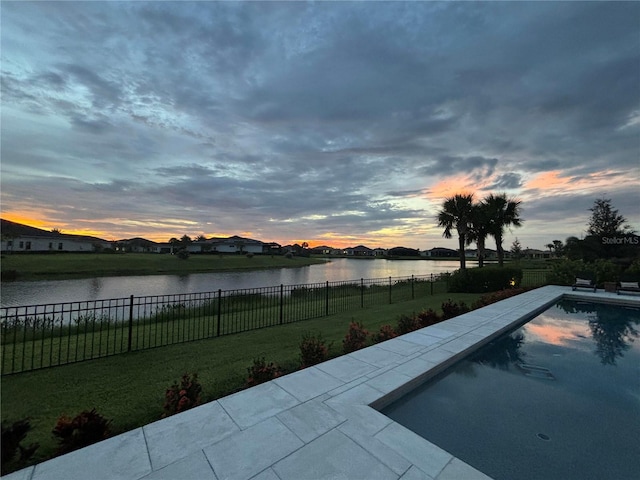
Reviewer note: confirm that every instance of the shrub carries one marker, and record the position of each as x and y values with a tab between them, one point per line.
564	272
605	271
86	428
182	254
493	297
182	396
261	372
313	350
386	332
452	309
14	455
249	255
407	324
487	279
356	338
428	317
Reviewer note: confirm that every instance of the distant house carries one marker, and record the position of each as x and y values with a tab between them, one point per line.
440	252
321	250
137	245
359	251
19	238
533	253
379	252
234	244
403	252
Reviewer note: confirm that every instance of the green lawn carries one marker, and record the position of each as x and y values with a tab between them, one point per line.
74	265
129	388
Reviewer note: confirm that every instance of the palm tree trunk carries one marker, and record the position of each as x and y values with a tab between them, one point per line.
480	245
500	250
462	242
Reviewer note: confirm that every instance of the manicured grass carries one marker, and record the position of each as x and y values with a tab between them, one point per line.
74	265
129	388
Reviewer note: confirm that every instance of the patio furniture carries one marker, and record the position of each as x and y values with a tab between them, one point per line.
622	287
584	282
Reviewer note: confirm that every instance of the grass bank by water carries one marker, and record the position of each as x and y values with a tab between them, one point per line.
74	265
129	388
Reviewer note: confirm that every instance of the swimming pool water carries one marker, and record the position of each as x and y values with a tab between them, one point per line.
558	398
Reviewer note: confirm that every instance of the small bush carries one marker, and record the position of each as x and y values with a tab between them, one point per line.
313	350
564	272
452	309
356	338
386	332
85	429
489	298
14	455
487	279
407	324
182	396
428	317
182	254
261	372
249	255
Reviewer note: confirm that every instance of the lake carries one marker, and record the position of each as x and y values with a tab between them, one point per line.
99	288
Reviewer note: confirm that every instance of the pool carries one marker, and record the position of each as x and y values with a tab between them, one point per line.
557	398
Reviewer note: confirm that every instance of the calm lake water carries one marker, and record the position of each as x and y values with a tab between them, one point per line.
339	269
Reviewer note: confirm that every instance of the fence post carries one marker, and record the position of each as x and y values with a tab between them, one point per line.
326	300
361	292
130	323
281	303
219	312
413	293
389	290
431	284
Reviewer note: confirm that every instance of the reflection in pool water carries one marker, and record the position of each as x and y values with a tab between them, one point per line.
558	398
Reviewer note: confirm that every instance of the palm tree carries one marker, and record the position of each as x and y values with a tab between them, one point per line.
480	223
504	213
456	213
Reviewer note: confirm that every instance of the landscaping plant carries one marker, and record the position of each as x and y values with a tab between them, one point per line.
452	309
386	332
261	372
13	453
356	338
84	429
313	350
183	396
428	317
407	323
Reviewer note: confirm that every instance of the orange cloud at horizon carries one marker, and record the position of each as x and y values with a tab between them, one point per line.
554	181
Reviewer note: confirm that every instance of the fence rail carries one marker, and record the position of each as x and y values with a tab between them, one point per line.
42	336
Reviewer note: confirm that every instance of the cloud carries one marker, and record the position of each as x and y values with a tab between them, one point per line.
321	120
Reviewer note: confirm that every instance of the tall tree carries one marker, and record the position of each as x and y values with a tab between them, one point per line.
456	214
605	220
516	249
504	213
480	223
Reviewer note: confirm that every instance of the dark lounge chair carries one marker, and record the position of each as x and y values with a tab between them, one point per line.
626	286
583	281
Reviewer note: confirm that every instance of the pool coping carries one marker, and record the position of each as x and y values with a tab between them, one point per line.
320	422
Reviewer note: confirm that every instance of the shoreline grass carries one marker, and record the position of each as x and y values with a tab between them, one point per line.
129	388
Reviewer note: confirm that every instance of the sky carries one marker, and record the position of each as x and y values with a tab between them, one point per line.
334	123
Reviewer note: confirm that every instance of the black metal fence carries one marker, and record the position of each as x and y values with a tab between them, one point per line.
41	336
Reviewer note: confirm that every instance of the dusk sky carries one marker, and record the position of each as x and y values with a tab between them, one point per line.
335	123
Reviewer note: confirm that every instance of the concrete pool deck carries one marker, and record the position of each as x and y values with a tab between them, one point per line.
320	422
